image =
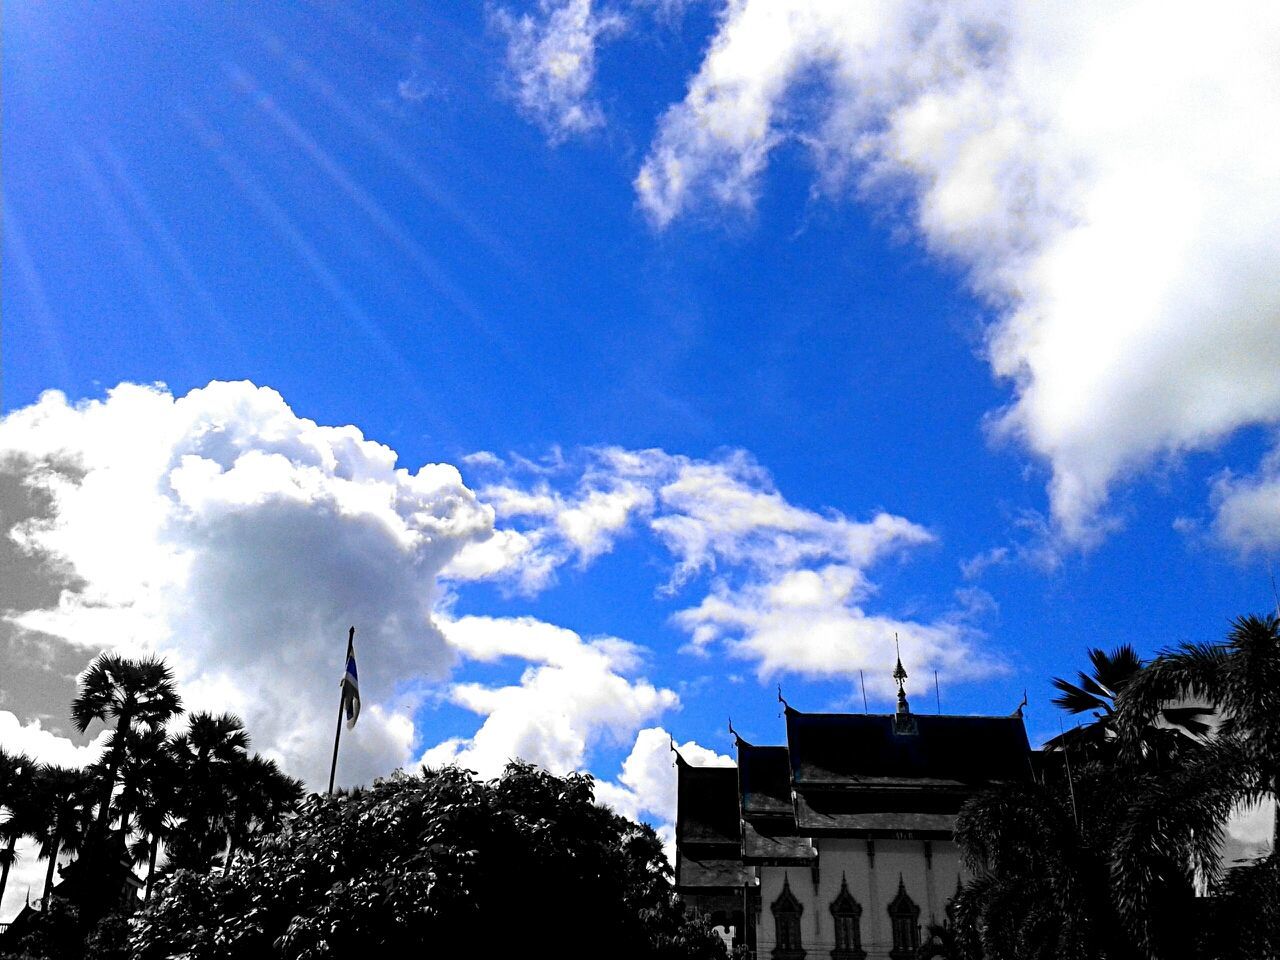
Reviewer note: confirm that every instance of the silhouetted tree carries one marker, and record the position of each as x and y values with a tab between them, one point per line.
64	798
442	862
17	791
136	695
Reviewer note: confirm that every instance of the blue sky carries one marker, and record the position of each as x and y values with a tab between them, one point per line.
811	260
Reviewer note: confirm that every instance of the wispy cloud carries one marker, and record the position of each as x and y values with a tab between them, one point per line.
551	56
1105	171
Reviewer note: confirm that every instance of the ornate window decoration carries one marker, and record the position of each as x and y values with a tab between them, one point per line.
786	924
847	914
904	920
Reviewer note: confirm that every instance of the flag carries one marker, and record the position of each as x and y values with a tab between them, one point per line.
351	683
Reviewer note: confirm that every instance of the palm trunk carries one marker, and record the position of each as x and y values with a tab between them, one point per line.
151	865
104	812
8	862
48	876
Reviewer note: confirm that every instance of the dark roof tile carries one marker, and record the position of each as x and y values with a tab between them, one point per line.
706	804
764	779
831	749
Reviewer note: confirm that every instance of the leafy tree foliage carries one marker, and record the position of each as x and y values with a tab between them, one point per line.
527	863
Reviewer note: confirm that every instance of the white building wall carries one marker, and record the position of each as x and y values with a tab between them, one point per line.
872	881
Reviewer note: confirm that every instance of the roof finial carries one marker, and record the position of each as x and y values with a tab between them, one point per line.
1018	712
900	675
781	699
676	750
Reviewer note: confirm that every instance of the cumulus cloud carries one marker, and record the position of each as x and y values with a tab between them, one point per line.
45	746
574	693
646	786
1247	509
239	541
787	587
551	55
1105	172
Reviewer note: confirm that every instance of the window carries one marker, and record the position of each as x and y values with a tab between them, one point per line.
904	920
786	924
847	915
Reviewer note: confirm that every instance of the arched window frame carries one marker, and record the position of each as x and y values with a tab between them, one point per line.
786	924
904	921
846	915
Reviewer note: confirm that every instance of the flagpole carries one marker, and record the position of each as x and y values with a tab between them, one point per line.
342	702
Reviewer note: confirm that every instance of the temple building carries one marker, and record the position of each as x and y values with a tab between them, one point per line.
839	843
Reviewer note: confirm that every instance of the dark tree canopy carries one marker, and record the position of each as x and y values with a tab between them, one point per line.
525	863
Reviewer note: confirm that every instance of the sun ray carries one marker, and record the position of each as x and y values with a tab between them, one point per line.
252	191
19	256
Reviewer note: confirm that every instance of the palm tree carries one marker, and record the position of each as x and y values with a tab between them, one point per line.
1040	885
65	797
1097	692
16	787
143	764
210	758
259	797
1240	677
133	693
1168	838
152	790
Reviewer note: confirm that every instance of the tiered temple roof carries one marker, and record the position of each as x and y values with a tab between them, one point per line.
849	775
708	831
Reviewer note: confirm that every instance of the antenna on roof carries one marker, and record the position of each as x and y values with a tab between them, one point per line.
1274	593
937	690
1071	786
864	690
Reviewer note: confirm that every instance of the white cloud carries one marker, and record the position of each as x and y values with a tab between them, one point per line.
788	586
1247	509
45	747
574	694
646	787
416	89
974	567
558	529
1104	170
240	540
552	58
811	623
